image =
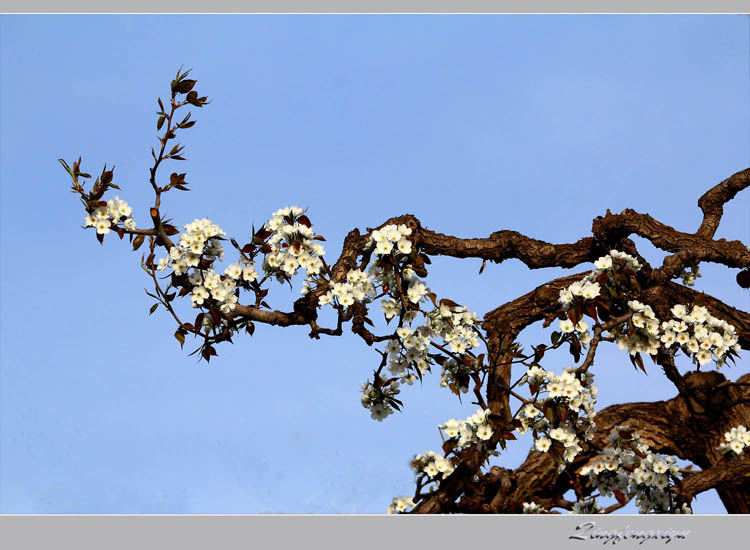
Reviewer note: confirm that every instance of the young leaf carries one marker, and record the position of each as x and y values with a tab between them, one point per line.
138	241
180	337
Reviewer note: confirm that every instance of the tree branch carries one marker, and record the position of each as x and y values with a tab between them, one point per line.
712	202
726	474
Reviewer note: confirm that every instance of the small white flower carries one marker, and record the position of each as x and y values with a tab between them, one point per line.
234	271
543	444
290	265
567	326
737	446
698	314
590	291
102	226
679	311
404	246
383	247
532	508
484	432
248	273
199	295
416	292
443	466
559	434
451	428
576	289
605	262
703	357
566	297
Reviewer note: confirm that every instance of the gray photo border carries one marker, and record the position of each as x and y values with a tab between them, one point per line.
381	6
114	532
374	531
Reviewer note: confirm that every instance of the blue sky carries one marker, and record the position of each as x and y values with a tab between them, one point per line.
472	123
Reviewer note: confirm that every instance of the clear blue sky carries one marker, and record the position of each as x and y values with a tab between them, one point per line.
472	123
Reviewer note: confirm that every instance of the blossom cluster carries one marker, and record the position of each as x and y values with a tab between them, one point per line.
358	287
699	335
375	398
475	429
292	245
415	290
586	506
695	331
628	464
645	336
107	216
589	288
391	238
432	464
400	504
650	481
453	324
581	328
736	440
201	239
410	349
407	352
568	410
455	373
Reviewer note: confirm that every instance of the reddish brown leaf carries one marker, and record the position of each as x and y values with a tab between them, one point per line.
591	312
447	302
215	314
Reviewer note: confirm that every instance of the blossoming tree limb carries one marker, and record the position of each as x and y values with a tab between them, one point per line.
606	457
